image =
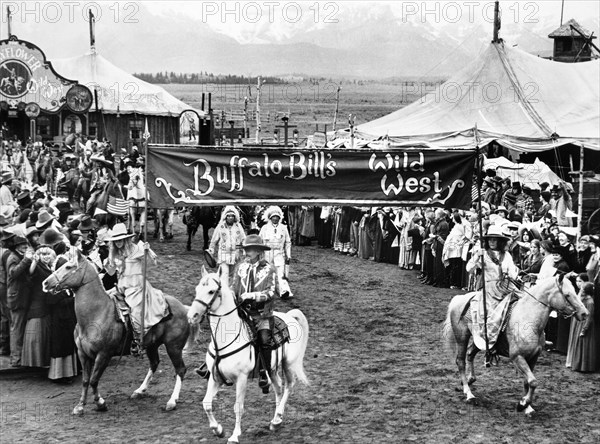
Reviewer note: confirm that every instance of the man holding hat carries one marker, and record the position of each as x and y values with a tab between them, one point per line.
561	202
256	282
277	237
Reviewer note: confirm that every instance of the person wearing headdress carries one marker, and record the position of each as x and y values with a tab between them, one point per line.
126	258
227	240
277	237
499	268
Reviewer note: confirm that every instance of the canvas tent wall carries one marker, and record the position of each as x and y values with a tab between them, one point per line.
124	101
531	174
523	102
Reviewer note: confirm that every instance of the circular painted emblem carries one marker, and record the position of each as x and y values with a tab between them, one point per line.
32	110
14	78
79	98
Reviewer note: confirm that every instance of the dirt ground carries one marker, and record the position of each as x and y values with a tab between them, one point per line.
377	369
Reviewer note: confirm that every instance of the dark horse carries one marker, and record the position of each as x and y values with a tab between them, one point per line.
193	217
99	334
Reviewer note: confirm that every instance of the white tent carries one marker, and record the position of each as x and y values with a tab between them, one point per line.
531	174
119	91
524	102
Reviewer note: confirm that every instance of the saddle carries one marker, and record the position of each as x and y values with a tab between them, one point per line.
121	308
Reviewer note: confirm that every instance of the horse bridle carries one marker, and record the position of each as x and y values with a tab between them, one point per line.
79	266
214	298
565	297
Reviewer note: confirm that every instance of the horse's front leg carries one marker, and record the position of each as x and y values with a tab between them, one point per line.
530	383
100	364
238	408
205	229
153	357
86	367
211	391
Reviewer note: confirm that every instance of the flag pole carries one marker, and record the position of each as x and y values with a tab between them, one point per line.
482	249
145	244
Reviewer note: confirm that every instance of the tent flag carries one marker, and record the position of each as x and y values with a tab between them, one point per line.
179	176
146	134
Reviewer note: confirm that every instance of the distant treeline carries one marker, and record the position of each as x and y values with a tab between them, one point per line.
201	78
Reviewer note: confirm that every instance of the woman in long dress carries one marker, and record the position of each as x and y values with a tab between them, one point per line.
127	259
583	346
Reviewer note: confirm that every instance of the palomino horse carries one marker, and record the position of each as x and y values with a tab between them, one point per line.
193	217
524	331
99	334
237	358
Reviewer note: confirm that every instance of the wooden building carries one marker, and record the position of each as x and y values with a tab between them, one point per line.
570	43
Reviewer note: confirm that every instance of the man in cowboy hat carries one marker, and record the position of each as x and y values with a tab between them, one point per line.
256	282
560	202
227	240
277	237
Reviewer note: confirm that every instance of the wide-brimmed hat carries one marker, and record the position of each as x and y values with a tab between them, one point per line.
50	237
44	219
210	260
501	208
119	232
100	158
495	232
24	199
7	176
17	240
255	241
273	211
86	223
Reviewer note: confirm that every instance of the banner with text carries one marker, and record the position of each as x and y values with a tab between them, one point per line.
181	176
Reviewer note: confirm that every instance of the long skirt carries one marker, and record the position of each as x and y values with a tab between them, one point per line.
583	351
36	343
365	243
65	367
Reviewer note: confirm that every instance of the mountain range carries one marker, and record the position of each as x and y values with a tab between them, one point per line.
376	44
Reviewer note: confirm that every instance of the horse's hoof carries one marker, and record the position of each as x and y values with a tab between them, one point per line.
101	407
275	426
473	401
529	412
233	441
521	407
78	410
137	395
219	431
171	406
189	248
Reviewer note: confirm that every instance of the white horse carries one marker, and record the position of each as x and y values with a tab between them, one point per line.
237	357
524	331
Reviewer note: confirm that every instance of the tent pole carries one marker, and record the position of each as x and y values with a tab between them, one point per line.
482	249
580	196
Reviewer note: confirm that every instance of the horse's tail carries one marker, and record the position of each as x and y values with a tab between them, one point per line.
192	339
297	366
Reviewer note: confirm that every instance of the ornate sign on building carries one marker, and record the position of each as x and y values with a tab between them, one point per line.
27	77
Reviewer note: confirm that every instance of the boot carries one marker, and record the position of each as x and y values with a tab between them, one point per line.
263	379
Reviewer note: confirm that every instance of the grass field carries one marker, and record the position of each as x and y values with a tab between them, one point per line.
306	104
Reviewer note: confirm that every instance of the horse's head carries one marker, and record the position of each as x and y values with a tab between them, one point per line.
565	299
69	275
208	295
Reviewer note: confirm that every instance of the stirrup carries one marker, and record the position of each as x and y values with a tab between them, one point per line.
203	371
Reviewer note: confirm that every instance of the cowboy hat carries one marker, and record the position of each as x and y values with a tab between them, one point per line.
86	223
100	158
255	241
119	232
50	237
273	211
18	240
7	176
44	219
24	199
495	232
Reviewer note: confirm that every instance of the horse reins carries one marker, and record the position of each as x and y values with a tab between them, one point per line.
566	298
